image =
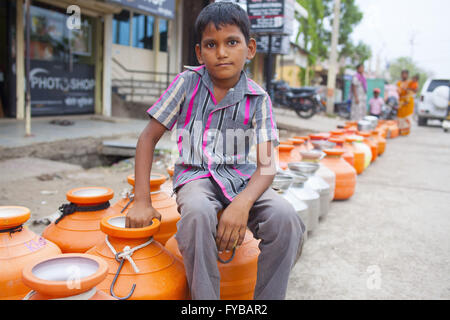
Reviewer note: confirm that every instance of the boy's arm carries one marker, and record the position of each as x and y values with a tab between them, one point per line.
142	212
164	113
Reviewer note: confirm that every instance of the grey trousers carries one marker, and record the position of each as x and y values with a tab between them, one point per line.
272	219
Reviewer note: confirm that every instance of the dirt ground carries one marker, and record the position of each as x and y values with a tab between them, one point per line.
44	193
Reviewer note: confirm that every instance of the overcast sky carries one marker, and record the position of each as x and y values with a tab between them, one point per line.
389	25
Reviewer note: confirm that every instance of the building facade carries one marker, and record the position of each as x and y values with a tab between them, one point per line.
82	50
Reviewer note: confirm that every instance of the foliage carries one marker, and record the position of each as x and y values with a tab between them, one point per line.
315	36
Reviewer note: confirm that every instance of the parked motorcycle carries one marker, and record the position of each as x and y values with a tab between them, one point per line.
390	109
343	109
305	101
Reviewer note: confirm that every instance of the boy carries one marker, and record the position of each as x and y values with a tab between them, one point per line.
376	103
212	105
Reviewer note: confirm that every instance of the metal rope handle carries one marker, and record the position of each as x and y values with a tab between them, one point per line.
111	289
229	260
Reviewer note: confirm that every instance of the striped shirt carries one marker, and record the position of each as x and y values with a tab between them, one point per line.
214	139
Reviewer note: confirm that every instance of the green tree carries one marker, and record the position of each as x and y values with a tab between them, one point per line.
406	63
316	37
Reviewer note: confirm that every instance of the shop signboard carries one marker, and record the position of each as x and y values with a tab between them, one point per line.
280	44
57	90
271	16
162	8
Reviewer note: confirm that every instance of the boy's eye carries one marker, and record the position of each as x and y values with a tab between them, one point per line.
232	42
210	45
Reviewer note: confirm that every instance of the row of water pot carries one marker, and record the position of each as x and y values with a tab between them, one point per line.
89	253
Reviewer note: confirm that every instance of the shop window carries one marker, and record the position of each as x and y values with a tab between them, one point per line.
121	28
51	40
143	31
163	25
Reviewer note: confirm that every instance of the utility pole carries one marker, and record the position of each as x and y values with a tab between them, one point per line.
27	73
332	65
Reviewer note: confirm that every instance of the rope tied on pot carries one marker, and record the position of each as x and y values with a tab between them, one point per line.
12	230
70	208
121	257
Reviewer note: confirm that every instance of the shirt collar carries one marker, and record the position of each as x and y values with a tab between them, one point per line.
245	86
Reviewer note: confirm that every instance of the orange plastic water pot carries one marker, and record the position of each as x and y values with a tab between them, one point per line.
371	143
161	201
299	145
379	140
78	229
348	154
383	127
339	133
307	140
358	154
138	267
19	247
238	277
345	173
287	153
170	171
393	129
70	276
351	124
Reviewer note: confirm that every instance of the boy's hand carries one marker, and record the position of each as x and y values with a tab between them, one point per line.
141	215
232	225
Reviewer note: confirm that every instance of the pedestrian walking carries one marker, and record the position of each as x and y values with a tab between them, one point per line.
359	94
205	103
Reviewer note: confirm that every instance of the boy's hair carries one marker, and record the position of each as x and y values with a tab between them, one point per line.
221	14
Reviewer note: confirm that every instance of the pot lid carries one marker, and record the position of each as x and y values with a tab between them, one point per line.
90	195
13	216
336	140
334	152
354	138
297	142
317	136
285	147
337	132
65	275
299	177
282	181
114	226
311	155
323	144
305	138
306	168
364	134
156	179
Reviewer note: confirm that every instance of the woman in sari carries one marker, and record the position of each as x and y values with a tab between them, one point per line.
406	90
359	97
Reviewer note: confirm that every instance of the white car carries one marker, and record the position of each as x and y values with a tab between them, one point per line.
434	100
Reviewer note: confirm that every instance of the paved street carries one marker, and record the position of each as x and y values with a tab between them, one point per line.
391	240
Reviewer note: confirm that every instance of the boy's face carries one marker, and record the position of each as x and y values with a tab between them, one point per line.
376	94
224	51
